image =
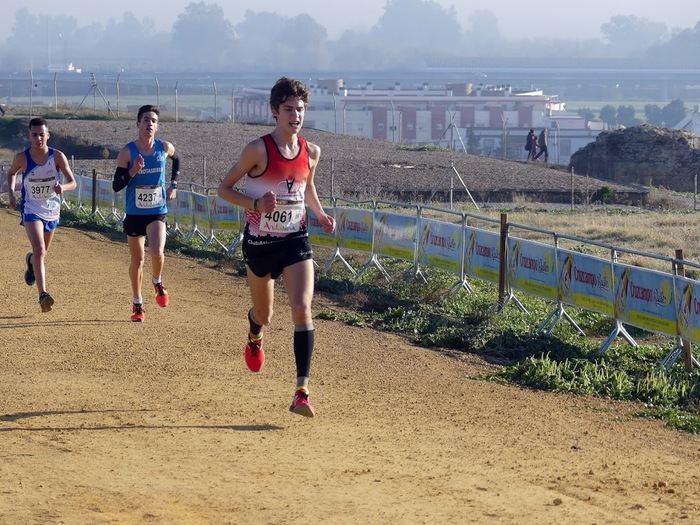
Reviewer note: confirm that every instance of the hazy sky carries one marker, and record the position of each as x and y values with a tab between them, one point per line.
517	18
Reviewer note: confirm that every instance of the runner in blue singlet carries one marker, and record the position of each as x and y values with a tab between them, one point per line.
40	203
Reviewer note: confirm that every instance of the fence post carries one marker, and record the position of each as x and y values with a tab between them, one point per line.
204	172
157	91
502	261
572	188
687	351
695	193
117	86
215	94
94	191
177	115
332	178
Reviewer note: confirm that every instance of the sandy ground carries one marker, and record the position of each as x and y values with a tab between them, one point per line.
107	421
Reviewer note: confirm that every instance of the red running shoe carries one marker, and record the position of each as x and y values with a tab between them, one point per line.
301	404
254	355
137	314
162	297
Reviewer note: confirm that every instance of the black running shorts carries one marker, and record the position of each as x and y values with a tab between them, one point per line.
264	257
135	225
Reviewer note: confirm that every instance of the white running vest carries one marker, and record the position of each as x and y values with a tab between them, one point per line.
38	181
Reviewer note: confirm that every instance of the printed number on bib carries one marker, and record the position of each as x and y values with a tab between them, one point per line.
285	219
41	189
149	196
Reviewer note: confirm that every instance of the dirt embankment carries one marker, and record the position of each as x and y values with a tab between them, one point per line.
355	167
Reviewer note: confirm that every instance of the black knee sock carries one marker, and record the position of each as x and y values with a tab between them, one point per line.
303	348
255	328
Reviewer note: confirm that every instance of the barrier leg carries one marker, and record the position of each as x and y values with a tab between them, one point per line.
374	261
551	321
462	284
511	297
673	356
618	330
338	256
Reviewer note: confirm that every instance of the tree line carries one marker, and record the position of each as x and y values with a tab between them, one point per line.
409	33
626	115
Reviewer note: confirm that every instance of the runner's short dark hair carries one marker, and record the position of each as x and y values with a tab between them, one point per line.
146	109
37	121
286	88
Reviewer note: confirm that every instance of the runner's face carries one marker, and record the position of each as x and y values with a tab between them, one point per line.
290	114
39	136
148	125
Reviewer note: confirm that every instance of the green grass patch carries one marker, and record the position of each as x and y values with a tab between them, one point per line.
562	361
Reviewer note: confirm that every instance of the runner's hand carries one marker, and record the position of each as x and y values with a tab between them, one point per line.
13	200
267	202
139	163
171	193
327	223
58	189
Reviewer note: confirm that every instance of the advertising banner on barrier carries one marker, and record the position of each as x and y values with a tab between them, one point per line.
104	195
317	236
354	227
688	308
586	281
200	205
482	254
644	298
395	235
183	209
440	245
85	192
531	268
225	216
73	197
120	202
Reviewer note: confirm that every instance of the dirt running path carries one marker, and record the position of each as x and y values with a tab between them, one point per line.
107	421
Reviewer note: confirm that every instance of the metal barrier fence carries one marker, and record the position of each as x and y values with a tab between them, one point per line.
430	237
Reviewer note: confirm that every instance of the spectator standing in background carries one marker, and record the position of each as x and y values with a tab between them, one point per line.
542	145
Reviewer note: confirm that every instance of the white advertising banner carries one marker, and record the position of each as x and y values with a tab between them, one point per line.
482	254
586	281
225	216
200	205
644	298
440	245
354	227
688	308
395	235
531	268
317	236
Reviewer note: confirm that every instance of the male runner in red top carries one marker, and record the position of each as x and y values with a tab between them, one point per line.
278	182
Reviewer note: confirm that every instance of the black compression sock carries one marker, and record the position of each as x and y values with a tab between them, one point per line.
303	348
255	328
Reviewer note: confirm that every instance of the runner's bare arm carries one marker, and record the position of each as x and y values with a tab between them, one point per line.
253	159
19	164
63	165
311	196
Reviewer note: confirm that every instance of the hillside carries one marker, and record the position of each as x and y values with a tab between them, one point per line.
361	167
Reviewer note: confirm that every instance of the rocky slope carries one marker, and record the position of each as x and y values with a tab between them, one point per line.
643	155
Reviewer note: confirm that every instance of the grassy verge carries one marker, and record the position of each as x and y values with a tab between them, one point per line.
562	361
